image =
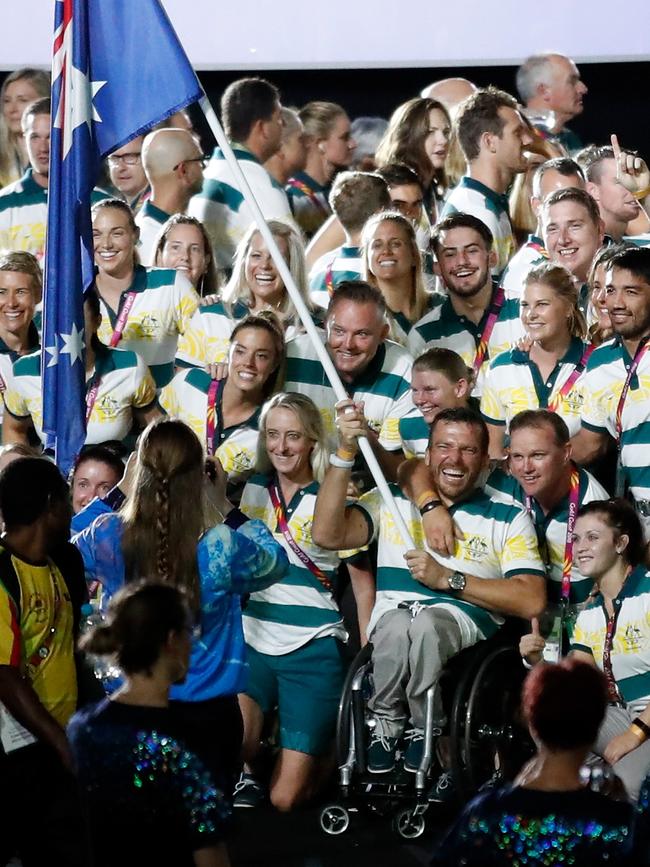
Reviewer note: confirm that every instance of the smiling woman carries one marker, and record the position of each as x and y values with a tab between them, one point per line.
224	414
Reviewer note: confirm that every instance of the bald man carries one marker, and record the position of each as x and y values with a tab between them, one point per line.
173	164
450	92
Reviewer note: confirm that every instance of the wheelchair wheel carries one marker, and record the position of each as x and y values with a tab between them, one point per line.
334	819
488	742
343	722
409	823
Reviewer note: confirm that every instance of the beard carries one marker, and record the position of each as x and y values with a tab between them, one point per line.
465	289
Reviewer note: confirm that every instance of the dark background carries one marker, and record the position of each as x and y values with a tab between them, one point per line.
617	100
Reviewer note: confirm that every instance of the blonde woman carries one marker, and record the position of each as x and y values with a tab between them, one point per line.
548	375
330	147
293	630
393	264
18	89
254	286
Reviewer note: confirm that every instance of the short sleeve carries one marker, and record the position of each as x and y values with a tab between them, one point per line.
144	393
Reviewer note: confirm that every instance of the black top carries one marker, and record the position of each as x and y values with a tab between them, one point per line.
149	800
517	826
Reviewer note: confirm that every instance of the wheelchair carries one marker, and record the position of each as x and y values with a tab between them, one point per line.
488	741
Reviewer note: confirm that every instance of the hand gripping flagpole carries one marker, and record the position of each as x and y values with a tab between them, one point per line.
299	304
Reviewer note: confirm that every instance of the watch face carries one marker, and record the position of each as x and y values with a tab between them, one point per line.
457	581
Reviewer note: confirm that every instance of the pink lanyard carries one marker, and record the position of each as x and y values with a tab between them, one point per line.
91	395
212	430
638	355
122	317
555	402
574	496
307	191
304	558
493	315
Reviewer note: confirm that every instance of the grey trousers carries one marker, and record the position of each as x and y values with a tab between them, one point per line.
632	768
408	656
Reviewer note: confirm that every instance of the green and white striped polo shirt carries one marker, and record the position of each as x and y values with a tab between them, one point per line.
630	655
603	384
332	268
499	542
220	205
442	326
299	608
527	257
150	220
186	398
513	383
164	303
125	384
308	202
384	386
551	528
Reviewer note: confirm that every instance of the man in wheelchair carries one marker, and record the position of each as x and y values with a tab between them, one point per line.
429	607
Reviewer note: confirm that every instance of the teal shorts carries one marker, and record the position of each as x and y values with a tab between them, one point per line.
305	686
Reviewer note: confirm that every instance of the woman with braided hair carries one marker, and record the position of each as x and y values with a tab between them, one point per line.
176	526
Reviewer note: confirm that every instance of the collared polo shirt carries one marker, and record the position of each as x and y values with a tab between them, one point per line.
220	205
442	326
384	386
331	269
165	301
150	220
286	615
125	384
499	542
513	383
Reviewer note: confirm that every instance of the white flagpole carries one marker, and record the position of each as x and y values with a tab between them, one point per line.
303	312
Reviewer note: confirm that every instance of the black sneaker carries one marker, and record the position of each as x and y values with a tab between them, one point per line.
381	753
415	749
248	792
443	791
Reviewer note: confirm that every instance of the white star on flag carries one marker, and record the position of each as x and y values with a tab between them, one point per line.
54	352
77	93
73	344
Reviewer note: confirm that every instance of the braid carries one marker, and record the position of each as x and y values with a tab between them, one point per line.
162	526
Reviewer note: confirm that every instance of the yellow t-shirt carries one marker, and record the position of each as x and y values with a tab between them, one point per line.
44	605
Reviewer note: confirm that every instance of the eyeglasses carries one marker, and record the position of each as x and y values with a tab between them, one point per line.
129	159
203	159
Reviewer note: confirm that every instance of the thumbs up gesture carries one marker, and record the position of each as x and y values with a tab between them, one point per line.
532	645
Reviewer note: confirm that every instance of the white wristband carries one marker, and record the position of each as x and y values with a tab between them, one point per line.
336	461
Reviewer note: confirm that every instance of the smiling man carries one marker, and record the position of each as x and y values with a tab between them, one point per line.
23	204
573	232
617	381
373	370
474	312
493	138
428	607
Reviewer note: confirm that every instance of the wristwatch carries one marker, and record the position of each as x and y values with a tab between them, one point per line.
457	582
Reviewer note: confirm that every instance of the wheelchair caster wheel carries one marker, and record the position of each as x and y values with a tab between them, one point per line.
334	819
409	824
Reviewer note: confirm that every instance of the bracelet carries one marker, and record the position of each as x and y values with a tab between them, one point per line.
428	507
424	498
640	724
336	461
345	454
638	733
641	194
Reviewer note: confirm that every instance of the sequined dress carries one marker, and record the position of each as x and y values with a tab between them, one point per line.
149	800
516	827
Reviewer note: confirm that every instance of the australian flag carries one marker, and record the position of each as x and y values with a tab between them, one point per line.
117	70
